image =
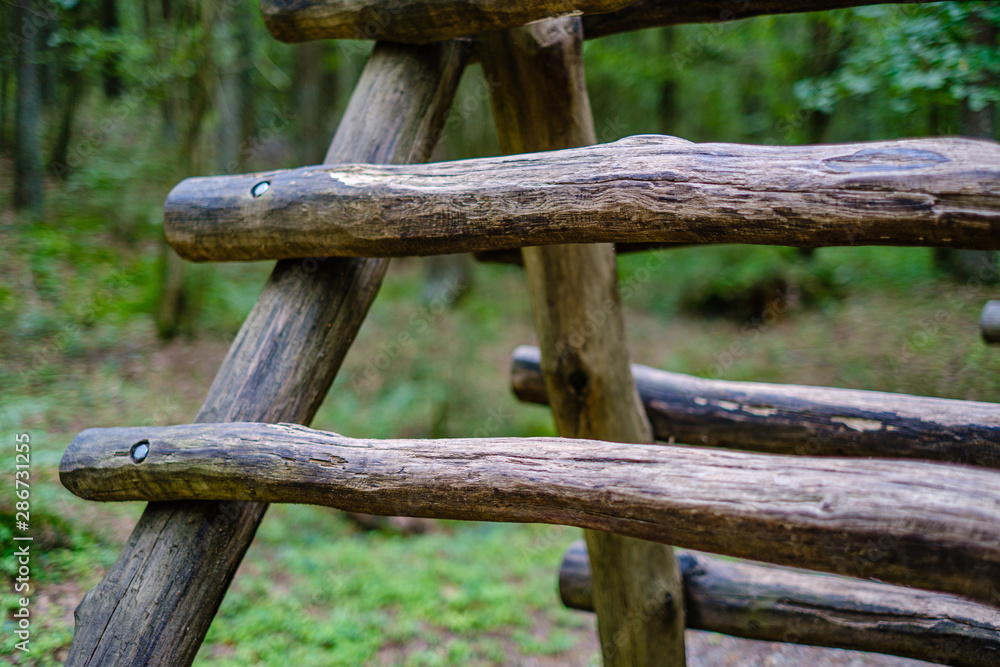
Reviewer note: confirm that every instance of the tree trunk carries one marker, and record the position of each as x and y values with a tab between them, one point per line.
109	25
28	188
310	140
74	91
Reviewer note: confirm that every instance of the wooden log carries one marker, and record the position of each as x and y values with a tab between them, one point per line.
541	103
989	322
924	192
927	525
796	419
781	604
411	21
422	21
654	13
155	604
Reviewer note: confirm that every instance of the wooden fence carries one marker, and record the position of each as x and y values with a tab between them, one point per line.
863	485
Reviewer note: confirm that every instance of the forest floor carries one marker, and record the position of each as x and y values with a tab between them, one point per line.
314	588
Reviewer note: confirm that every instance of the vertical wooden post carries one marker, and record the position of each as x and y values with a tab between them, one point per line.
540	103
155	604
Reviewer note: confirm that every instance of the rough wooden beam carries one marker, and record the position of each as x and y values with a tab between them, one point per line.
781	604
413	21
928	525
541	103
155	604
796	419
422	21
989	322
930	192
654	13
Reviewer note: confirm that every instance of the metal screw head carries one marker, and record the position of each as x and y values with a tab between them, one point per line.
140	451
260	188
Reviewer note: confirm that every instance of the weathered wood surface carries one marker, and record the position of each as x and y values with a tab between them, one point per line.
774	603
422	21
930	192
797	419
414	21
653	13
156	602
928	525
541	103
989	322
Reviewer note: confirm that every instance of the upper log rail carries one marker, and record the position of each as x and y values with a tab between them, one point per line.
155	603
920	192
798	419
421	21
656	13
926	525
773	603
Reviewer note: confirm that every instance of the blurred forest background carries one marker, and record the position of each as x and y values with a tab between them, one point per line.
105	105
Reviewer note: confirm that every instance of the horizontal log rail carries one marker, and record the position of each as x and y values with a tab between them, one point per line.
773	603
989	322
930	192
656	13
797	419
926	525
421	21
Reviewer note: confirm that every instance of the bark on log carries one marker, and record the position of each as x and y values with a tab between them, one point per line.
928	525
156	602
421	21
655	13
989	322
796	419
781	604
413	21
929	192
541	103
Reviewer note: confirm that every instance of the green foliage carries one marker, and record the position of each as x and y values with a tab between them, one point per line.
916	54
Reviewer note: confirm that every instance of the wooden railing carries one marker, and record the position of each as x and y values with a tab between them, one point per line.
902	489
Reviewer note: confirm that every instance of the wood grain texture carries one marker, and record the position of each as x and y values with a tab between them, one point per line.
412	21
653	13
989	322
422	21
541	103
924	192
156	602
773	603
928	525
797	419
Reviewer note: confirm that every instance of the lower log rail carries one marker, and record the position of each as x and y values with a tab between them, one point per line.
926	525
797	419
773	603
918	192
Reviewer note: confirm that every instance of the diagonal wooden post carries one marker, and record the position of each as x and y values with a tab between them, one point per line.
540	103
155	604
